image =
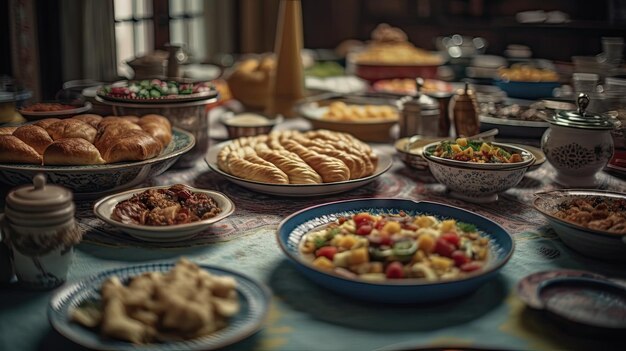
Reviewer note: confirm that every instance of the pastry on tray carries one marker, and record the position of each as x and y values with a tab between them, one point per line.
85	140
291	157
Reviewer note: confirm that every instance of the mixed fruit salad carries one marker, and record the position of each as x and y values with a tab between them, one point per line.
377	247
475	151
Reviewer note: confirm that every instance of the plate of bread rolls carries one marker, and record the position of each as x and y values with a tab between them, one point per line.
292	163
91	154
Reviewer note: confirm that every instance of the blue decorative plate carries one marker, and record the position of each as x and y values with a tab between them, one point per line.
293	228
254	299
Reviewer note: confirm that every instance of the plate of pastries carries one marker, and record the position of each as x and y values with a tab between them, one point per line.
90	153
293	163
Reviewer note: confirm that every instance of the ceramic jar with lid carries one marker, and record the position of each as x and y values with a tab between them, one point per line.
419	115
464	111
40	230
578	144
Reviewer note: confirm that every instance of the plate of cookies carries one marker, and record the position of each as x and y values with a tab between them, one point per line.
90	154
298	164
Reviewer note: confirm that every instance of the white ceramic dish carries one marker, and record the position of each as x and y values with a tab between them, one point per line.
590	242
298	190
104	207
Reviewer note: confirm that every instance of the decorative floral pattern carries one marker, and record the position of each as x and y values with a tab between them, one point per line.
473	182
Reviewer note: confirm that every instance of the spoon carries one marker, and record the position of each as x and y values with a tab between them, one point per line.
487	135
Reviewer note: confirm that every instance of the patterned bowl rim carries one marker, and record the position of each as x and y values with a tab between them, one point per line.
529	159
541	197
177	134
443	164
394	283
260	292
230	208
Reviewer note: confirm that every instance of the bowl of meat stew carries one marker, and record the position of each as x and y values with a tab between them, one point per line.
592	222
164	213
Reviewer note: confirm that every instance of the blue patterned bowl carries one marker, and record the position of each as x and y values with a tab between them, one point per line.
96	180
254	300
293	228
476	185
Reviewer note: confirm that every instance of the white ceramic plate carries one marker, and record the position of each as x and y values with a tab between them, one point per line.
254	299
104	207
298	190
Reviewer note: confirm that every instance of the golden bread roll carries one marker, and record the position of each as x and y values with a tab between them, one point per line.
298	171
158	131
152	118
112	131
72	151
329	168
91	119
112	119
134	145
130	118
245	169
7	130
72	128
34	136
13	150
44	123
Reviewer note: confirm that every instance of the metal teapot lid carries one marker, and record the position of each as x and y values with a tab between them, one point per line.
581	118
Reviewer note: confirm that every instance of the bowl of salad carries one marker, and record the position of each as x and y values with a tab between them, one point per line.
395	250
477	171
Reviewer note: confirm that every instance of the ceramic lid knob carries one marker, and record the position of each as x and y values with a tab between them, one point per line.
40	197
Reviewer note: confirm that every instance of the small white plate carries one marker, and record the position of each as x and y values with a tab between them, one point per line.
104	208
298	190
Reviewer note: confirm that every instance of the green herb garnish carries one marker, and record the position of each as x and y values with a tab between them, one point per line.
466	227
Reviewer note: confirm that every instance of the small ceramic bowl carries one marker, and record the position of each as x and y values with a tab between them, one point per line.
475	185
594	243
104	208
248	124
411	155
528	159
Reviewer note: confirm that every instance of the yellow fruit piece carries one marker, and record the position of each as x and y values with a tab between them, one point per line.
485	147
441	263
461	141
456	148
426	243
392	227
359	256
323	263
347	241
449	225
424	221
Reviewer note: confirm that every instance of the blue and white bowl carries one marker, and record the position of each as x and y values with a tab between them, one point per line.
96	180
291	231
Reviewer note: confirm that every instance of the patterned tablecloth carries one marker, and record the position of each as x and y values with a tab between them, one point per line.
306	317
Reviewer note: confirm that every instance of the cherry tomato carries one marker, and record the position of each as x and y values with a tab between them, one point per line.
326	251
342	220
395	270
362	217
444	248
380	224
471	266
364	229
452	238
459	258
379	240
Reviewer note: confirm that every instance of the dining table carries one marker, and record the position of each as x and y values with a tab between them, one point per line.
305	316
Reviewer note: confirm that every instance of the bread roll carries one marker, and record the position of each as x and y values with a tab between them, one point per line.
72	128
90	119
7	130
130	118
158	131
134	145
111	132
34	136
44	123
72	151
13	150
155	119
